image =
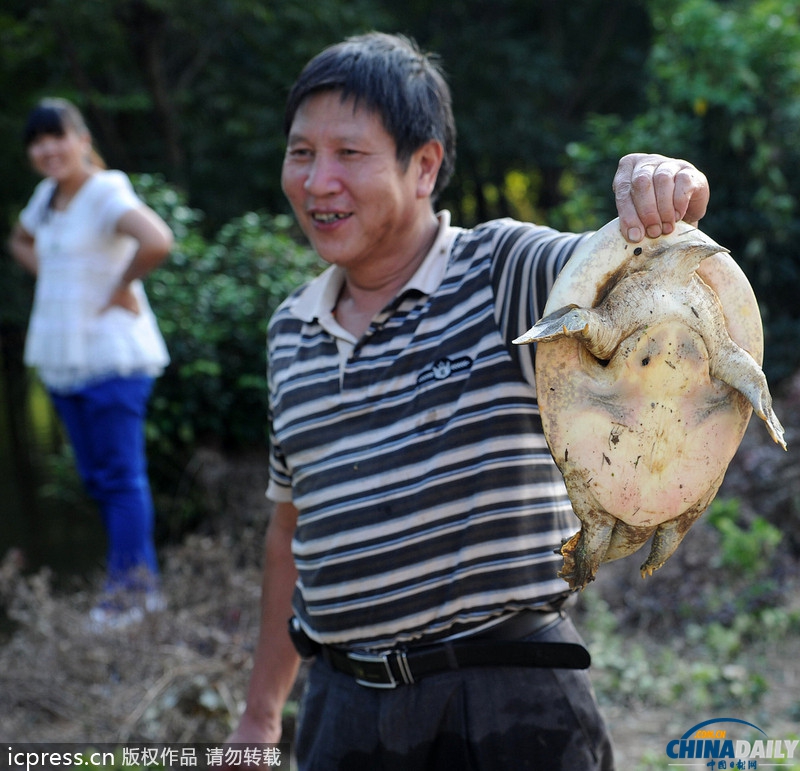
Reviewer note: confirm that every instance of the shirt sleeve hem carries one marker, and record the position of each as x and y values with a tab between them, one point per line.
278	493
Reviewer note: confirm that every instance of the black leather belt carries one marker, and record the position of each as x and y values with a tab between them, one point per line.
498	646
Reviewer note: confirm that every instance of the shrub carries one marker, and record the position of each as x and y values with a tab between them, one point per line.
213	299
745	548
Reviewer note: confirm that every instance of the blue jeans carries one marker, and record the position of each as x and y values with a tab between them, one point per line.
105	425
475	719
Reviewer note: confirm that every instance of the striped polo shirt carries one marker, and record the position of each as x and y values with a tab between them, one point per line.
428	500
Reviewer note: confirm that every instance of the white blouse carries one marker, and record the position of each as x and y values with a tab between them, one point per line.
81	259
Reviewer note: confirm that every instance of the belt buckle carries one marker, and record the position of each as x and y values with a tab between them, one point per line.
382	658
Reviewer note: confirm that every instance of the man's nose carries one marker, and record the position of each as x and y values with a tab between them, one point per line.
323	177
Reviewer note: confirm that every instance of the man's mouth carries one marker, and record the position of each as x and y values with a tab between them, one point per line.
327	217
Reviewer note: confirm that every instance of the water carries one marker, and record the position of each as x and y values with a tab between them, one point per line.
46	518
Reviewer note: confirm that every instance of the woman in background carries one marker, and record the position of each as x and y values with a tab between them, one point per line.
93	338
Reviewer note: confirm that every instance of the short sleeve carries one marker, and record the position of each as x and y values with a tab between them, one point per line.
527	259
34	212
113	198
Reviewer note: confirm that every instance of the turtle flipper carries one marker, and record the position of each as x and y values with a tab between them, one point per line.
668	535
584	552
666	540
565	322
728	361
734	366
586	325
627	539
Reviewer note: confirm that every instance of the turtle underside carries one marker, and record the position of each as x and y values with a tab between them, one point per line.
644	394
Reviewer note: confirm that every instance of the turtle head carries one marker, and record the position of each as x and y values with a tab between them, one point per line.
682	254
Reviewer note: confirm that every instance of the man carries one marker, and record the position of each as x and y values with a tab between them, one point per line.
417	507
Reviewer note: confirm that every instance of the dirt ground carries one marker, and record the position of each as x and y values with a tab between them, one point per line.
181	675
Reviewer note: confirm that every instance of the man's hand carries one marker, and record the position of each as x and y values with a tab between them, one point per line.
276	661
654	192
250	731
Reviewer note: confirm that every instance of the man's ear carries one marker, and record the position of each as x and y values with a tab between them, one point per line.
428	161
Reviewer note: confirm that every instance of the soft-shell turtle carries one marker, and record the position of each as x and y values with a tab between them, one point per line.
647	365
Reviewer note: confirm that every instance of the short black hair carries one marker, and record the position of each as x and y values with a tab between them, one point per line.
52	116
391	76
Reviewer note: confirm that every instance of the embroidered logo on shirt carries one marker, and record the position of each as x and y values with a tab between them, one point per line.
443	368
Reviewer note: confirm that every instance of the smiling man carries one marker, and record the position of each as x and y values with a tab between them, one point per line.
418	509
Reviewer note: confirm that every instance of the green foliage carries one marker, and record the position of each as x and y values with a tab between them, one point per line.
652	760
712	654
191	88
213	299
705	671
524	77
723	91
547	97
746	549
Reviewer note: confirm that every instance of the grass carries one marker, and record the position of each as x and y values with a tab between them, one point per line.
715	632
717	640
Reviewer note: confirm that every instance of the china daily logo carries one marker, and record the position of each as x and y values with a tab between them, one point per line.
715	744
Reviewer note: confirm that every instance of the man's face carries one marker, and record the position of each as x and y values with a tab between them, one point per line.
350	195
